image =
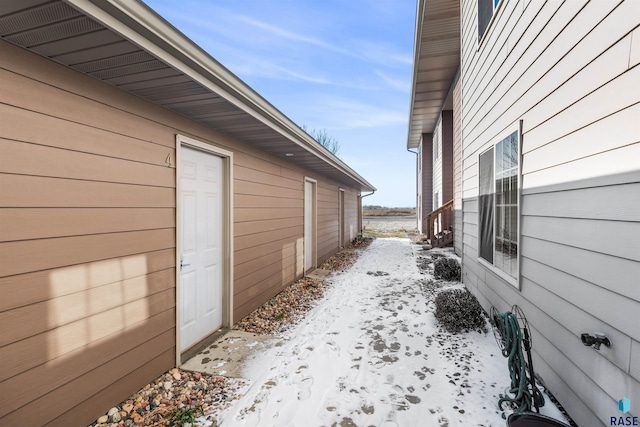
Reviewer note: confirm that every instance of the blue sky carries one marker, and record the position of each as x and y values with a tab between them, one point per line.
343	66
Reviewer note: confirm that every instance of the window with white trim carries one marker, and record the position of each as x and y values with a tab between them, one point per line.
499	204
486	9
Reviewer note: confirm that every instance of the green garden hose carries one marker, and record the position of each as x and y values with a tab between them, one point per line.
523	388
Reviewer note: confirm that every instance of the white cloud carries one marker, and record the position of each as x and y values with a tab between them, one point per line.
394	82
343	113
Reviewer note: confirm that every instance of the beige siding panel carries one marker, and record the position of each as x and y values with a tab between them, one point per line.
33	255
251	251
258	239
27	321
81	335
257	264
291	170
40	223
29	126
247	300
38	160
55	373
21	290
281	265
97	244
244	201
253	175
43	98
261	214
39	192
248	160
259	189
245	228
55	403
283	237
93	407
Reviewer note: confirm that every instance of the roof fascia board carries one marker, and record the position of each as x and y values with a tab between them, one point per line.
141	25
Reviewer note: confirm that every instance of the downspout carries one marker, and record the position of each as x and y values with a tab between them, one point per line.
361	213
417	210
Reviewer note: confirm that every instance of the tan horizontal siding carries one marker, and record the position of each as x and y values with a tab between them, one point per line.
80	361
270	266
253	175
259	214
40	192
57	402
39	160
28	320
93	407
30	288
88	230
23	125
34	223
30	94
258	239
33	255
247	300
257	264
252	227
250	252
245	201
259	189
79	336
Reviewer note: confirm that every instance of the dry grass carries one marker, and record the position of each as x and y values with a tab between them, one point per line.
389	212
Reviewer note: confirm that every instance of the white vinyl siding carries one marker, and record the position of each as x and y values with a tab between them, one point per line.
569	71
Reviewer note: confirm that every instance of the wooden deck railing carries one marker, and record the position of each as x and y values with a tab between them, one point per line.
440	225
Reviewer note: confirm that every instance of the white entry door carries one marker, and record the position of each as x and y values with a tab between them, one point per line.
201	246
309	225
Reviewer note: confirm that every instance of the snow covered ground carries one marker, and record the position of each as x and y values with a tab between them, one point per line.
372	354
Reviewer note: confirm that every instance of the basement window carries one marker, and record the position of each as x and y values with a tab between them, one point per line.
486	10
498	210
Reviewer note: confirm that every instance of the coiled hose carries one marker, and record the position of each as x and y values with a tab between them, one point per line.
523	395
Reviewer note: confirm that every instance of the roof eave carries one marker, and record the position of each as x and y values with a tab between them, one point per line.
442	12
144	27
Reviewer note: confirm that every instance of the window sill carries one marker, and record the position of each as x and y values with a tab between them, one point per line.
500	274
